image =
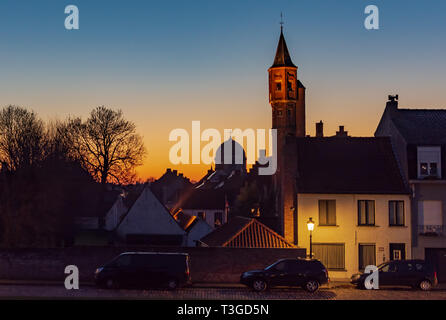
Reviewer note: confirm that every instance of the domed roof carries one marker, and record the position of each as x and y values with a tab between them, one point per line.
230	156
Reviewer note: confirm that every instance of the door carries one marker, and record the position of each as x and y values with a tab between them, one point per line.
388	274
397	251
278	274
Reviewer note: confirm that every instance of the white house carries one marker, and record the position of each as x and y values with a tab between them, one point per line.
353	191
149	222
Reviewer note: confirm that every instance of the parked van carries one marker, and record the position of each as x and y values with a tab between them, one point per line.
145	270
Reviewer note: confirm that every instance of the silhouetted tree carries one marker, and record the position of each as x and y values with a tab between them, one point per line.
107	145
21	138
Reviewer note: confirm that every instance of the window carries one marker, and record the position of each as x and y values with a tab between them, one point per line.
430	217
429	162
278	86
201	215
396	213
332	255
397	251
389	267
290	86
366	212
367	255
218	219
327	212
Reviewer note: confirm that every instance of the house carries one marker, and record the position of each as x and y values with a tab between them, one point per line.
195	227
98	215
242	232
419	140
149	222
170	186
353	191
209	205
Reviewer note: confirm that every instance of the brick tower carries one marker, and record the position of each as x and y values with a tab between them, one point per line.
287	99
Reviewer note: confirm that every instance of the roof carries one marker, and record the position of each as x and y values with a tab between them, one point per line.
421	126
204	199
241	232
184	220
352	165
282	58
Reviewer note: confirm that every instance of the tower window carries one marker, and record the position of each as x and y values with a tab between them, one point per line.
278	86
290	86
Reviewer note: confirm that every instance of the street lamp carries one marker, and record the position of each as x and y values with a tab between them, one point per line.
310	225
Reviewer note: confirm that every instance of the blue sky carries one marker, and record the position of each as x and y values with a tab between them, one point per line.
166	63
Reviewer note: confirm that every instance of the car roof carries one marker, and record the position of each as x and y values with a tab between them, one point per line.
153	253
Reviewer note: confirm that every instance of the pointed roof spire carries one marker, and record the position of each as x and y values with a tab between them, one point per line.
282	58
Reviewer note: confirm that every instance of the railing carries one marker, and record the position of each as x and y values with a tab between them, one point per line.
432	230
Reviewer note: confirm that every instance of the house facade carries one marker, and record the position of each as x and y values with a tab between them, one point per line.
353	191
419	139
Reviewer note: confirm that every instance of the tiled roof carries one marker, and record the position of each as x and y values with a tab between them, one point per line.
282	58
348	165
421	126
241	232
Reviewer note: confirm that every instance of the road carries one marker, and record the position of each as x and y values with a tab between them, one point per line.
24	291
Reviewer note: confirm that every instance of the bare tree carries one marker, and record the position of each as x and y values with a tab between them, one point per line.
107	145
21	138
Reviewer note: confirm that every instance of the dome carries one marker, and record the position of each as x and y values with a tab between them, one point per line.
228	162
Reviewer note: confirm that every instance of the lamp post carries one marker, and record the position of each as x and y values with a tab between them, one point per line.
310	225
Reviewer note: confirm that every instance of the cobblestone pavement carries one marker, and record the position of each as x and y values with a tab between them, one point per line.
341	293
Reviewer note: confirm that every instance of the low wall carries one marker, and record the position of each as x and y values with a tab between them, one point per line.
211	265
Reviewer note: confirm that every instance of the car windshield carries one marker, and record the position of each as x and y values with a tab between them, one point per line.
272	266
382	265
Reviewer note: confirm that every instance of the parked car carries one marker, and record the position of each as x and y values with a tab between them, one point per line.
306	273
145	270
414	273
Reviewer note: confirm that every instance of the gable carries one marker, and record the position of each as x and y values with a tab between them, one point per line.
149	216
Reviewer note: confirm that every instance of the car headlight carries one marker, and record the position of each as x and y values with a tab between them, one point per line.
98	270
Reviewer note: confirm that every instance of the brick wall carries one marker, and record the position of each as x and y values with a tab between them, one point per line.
207	264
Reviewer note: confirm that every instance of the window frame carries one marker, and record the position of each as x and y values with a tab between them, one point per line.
327	201
367	223
396	224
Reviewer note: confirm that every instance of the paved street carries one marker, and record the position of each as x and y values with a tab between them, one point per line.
224	293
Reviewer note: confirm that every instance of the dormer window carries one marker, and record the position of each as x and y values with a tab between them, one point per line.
429	162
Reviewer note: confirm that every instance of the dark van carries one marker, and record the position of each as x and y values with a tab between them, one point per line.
145	270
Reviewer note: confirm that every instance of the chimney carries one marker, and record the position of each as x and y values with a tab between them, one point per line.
175	172
168	170
392	103
319	129
341	132
180	175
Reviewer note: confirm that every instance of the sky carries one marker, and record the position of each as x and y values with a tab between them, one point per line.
167	63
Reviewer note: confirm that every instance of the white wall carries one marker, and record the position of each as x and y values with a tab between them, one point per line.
199	230
149	216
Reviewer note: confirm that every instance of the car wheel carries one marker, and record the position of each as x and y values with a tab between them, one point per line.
259	285
172	284
425	285
111	284
311	286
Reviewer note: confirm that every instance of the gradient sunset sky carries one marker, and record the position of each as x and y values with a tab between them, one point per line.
167	63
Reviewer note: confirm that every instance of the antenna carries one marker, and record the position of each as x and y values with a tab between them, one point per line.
281	21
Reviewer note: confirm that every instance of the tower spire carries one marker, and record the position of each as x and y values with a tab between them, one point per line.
281	22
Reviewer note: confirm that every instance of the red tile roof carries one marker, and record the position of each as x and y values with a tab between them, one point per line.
241	232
